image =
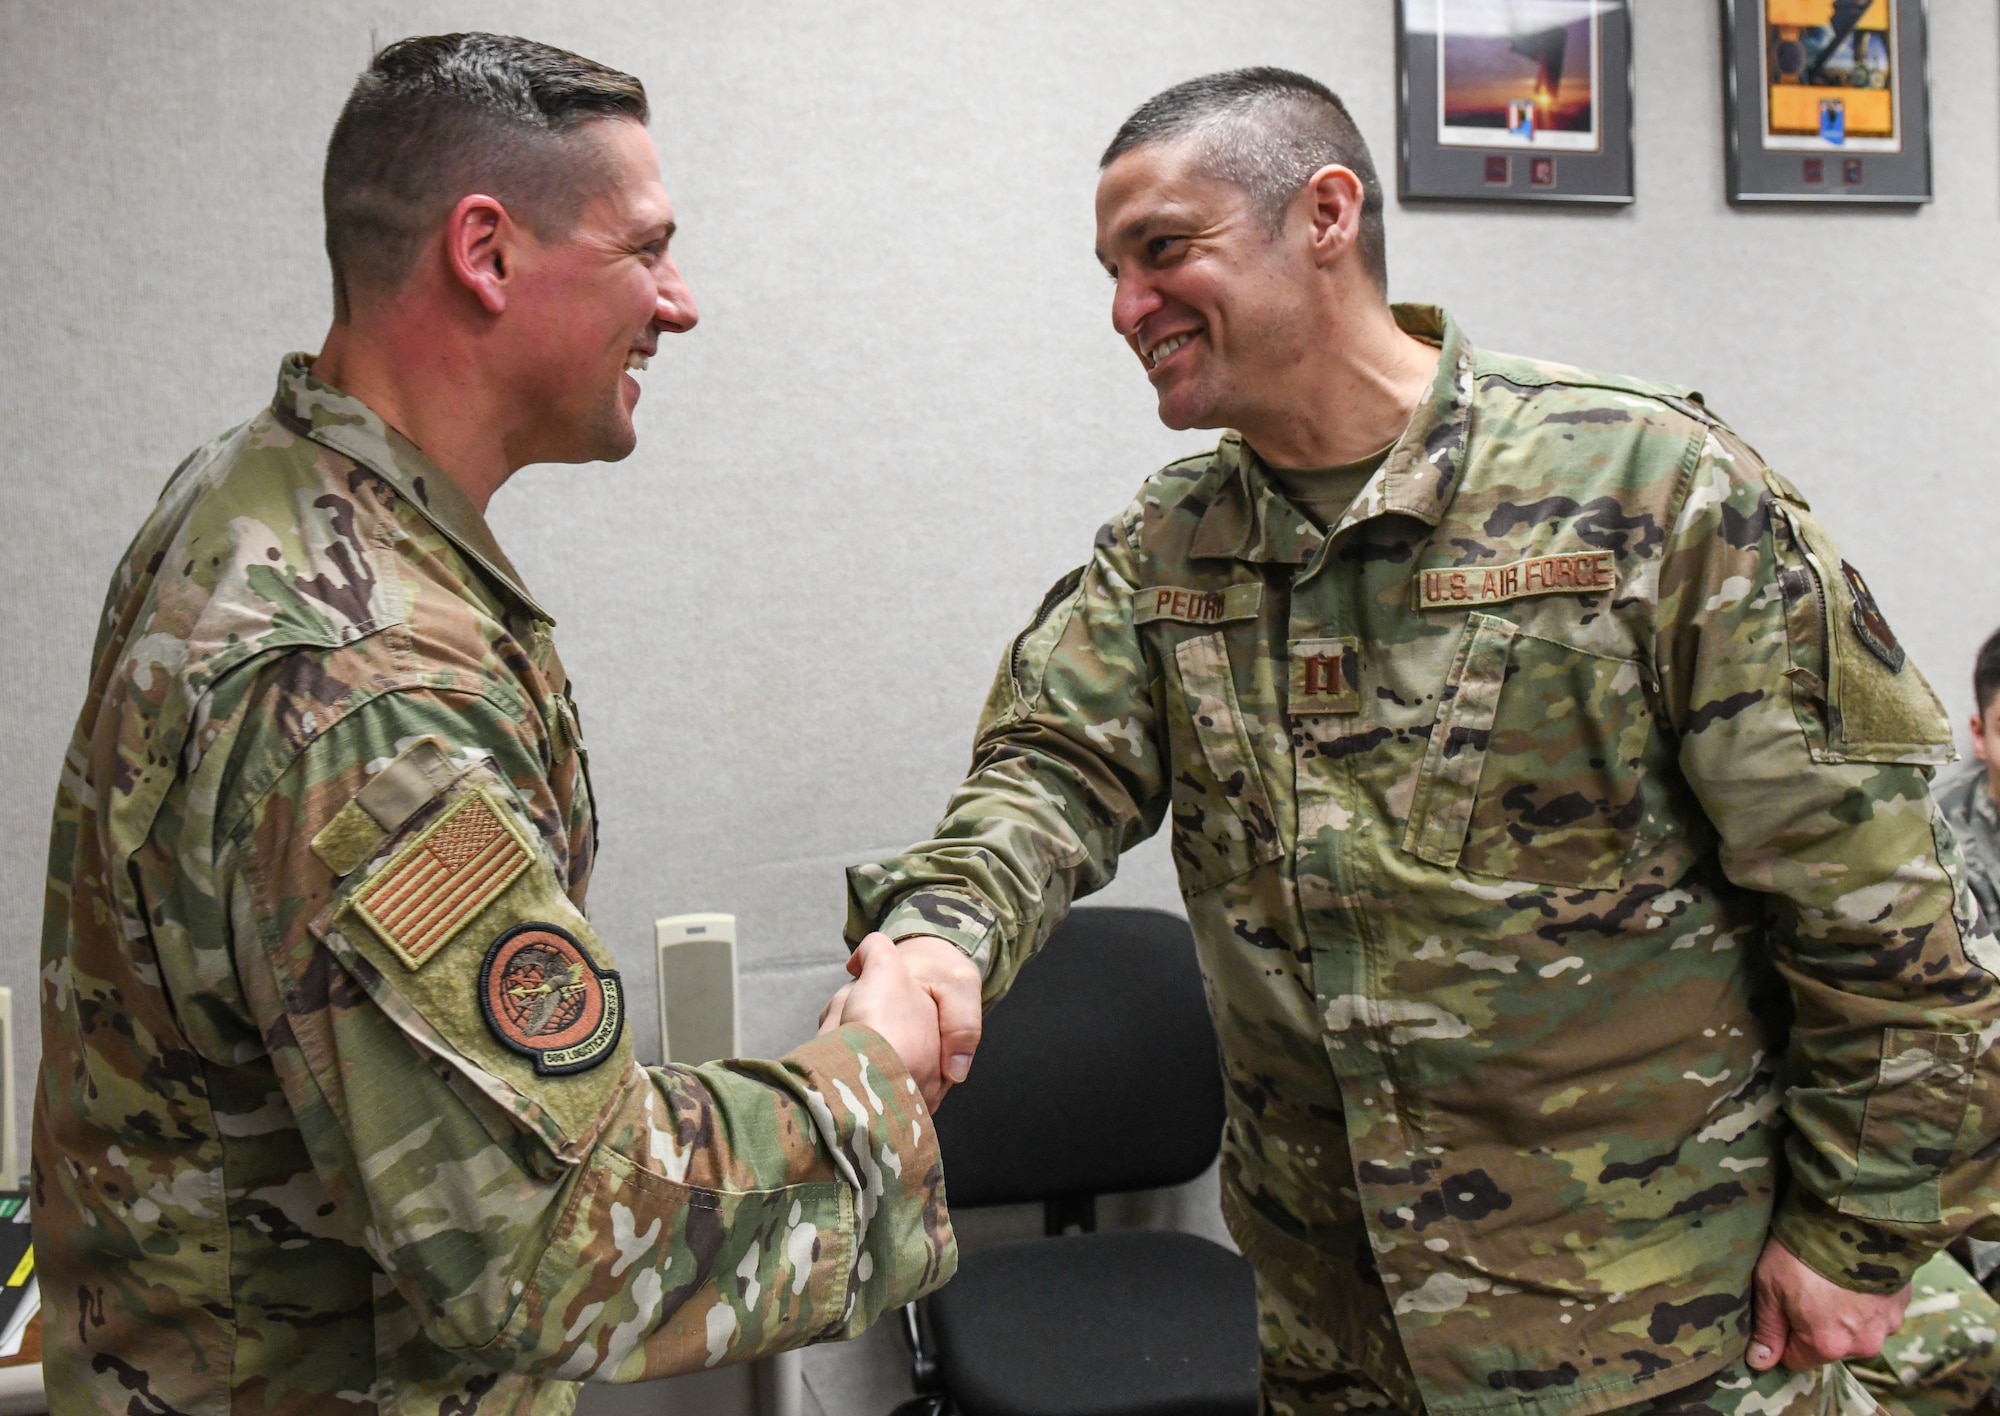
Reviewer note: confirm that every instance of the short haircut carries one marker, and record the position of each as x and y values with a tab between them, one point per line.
1267	131
1986	671
437	117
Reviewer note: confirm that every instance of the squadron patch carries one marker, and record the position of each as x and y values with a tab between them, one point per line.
545	998
1871	625
436	885
1576	573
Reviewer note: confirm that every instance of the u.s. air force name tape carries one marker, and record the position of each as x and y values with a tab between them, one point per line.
1573	573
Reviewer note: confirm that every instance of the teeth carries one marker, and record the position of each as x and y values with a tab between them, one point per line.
1166	347
636	360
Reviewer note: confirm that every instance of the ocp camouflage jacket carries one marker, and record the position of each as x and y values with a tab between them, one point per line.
1557	837
337	1107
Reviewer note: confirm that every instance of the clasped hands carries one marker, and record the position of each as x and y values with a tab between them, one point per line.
922	996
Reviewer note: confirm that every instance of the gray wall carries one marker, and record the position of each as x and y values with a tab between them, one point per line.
904	412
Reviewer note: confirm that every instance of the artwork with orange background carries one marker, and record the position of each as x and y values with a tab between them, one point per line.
1821	52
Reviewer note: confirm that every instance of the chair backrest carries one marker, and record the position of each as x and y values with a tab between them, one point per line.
1097	1072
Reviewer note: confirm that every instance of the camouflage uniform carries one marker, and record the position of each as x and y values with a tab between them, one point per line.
1967	803
1558	843
337	1107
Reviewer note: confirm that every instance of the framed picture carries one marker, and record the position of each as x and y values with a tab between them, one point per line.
1515	100
1827	100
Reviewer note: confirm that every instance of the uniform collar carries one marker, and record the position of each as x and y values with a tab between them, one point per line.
351	428
1251	520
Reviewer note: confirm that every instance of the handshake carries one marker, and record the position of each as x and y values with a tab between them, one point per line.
922	996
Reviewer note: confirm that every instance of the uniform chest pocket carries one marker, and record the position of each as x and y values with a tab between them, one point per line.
1532	770
1222	820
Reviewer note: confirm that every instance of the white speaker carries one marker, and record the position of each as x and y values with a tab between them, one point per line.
11	1171
699	1017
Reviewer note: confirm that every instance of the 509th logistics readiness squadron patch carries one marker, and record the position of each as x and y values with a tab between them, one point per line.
544	998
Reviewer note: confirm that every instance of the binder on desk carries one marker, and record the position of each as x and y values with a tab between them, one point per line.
21	1295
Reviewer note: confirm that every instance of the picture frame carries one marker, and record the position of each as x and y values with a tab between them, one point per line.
1515	100
1827	101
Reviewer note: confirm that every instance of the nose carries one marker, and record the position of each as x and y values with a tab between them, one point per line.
674	309
1131	302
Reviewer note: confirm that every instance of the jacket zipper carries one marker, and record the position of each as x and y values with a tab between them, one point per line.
1058	592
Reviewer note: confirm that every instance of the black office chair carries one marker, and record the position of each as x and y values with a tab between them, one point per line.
1097	1074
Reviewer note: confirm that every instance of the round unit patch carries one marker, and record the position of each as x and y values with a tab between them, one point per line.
545	999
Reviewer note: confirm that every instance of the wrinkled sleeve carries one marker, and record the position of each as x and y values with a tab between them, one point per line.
1810	740
1068	772
556	1210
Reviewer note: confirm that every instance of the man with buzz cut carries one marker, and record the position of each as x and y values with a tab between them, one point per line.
338	1109
1971	801
1603	1024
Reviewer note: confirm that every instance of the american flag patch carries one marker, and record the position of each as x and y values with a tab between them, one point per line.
434	887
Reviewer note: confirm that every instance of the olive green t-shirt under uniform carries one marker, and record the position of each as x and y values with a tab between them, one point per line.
1325	493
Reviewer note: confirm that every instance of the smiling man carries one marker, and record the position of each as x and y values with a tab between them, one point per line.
338	1107
1604	1023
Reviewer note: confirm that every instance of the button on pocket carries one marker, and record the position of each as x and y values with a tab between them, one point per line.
1223	824
1532	770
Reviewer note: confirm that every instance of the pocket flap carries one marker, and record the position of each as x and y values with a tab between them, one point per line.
1910	1129
1448	781
1244	832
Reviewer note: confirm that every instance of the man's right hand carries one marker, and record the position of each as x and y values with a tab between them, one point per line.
884	996
1806	1321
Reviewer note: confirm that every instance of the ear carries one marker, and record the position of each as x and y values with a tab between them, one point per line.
480	245
1335	196
1979	743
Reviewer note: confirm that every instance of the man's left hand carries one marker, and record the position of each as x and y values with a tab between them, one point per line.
1806	1321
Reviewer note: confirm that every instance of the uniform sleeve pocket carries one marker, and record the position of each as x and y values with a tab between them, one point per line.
459	931
1910	1129
1858	697
1448	780
1028	655
1223	824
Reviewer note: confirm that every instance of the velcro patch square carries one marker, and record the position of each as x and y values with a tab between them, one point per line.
436	885
1325	677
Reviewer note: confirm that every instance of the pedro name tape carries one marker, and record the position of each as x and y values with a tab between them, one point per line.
1171	602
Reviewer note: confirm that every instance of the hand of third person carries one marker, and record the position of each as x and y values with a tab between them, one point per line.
886	997
1806	1321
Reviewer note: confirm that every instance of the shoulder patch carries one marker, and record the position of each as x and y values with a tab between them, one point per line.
545	998
1871	625
456	867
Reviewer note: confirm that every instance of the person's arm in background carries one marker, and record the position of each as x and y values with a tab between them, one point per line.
560	1211
1808	742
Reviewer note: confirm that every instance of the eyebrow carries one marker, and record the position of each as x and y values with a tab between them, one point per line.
1138	228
